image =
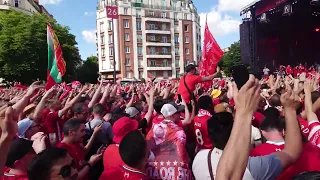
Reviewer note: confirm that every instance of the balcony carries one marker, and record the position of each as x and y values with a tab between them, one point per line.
156	18
157	31
157	43
159	55
159	67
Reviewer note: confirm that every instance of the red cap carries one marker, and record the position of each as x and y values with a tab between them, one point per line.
122	127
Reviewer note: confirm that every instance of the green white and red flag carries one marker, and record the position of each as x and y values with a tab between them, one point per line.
56	64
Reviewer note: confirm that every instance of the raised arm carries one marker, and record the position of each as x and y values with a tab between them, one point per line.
211	77
40	107
96	96
150	106
71	103
235	156
105	95
293	145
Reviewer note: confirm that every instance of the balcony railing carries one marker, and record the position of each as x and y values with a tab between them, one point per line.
159	53
158	65
157	29
158	40
156	16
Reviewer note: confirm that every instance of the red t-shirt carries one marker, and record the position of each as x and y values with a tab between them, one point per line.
201	130
7	176
267	148
111	157
123	173
289	70
304	127
191	81
53	124
76	151
314	137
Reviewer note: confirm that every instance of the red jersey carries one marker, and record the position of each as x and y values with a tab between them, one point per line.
123	173
289	70
191	81
304	127
7	176
53	125
115	161
314	136
267	148
201	130
76	151
168	144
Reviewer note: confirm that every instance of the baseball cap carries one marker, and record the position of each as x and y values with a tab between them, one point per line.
23	126
132	111
122	127
190	67
170	109
19	148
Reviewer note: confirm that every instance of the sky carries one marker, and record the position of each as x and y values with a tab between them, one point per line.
80	15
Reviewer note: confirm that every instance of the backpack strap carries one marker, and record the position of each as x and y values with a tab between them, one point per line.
210	165
190	93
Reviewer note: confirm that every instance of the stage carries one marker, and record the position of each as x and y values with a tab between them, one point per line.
280	32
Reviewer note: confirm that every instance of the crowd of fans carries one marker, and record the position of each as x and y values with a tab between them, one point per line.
170	130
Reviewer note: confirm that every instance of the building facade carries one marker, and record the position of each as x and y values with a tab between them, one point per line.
25	6
151	37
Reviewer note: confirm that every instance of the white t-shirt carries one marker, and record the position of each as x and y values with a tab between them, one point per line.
255	136
200	166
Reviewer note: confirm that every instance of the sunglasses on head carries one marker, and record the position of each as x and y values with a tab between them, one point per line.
66	170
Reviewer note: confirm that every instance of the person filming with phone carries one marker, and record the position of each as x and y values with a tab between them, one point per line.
189	81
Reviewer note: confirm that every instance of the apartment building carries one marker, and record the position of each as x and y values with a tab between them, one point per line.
157	37
25	6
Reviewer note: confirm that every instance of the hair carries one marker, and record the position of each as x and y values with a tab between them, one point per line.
98	109
219	129
157	105
314	96
72	124
315	175
275	100
52	102
205	102
270	123
133	148
78	108
224	98
272	113
116	116
40	166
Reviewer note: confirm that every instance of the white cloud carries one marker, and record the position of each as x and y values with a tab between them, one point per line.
232	5
219	24
89	36
88	13
43	2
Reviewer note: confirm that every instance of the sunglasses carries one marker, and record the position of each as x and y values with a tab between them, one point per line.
66	170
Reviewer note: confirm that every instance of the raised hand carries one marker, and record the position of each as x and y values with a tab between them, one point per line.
8	124
290	100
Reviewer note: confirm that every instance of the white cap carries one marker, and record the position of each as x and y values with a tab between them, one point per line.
168	110
132	111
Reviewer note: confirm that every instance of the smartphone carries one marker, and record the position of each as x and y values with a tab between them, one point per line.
179	98
240	75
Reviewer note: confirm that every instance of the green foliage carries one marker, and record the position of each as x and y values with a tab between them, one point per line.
23	47
231	58
88	71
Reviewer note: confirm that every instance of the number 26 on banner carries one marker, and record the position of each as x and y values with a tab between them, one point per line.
112	12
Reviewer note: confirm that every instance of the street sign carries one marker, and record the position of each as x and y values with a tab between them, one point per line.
112	12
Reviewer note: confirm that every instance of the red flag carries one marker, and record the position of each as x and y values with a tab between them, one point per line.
211	55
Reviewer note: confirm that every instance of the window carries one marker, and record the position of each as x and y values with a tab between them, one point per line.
110	51
139	37
153	63
186	28
164	27
164	39
177	62
164	50
138	25
152	50
174	5
165	63
16	3
187	51
126	37
102	39
125	11
152	38
109	26
185	16
165	74
110	38
151	13
127	61
176	28
163	15
101	27
176	50
126	23
152	27
176	39
128	74
138	13
127	49
102	52
175	16
153	73
140	62
140	74
186	39
139	51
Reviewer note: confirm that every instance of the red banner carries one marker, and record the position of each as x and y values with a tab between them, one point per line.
211	55
264	6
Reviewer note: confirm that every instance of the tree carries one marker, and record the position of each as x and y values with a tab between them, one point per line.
231	58
23	47
88	71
